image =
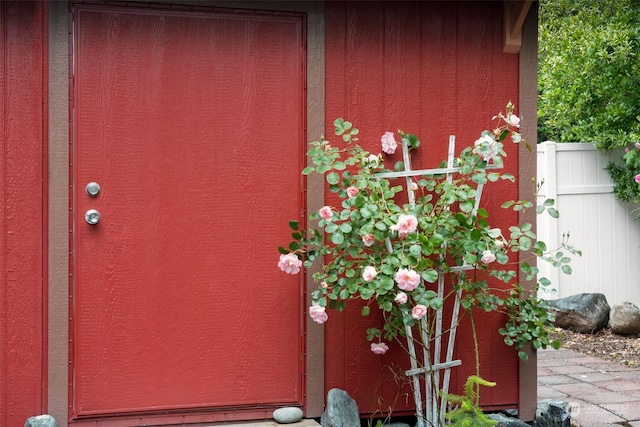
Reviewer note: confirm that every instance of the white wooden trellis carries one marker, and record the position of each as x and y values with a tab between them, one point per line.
434	407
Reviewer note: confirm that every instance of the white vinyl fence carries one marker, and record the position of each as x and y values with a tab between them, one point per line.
599	224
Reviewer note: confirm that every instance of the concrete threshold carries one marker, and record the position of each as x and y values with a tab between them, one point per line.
307	422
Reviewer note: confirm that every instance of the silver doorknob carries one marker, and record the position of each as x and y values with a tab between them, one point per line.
92	189
92	217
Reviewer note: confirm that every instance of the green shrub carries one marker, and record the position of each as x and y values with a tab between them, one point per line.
589	79
589	72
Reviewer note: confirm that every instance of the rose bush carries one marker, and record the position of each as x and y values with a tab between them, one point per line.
626	177
389	254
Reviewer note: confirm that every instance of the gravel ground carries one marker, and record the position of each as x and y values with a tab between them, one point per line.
604	344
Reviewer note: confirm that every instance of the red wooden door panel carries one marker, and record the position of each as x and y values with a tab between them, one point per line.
193	126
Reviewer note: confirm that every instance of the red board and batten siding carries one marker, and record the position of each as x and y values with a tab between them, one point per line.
434	69
22	213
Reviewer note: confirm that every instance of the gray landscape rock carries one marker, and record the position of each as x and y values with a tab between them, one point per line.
552	413
287	415
41	421
506	421
341	410
586	313
624	319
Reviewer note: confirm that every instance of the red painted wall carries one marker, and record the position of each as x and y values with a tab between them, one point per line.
434	69
22	190
429	68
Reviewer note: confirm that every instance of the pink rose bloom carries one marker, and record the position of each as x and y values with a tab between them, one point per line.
489	141
406	224
369	273
401	298
368	239
419	311
637	178
352	191
326	213
290	263
373	160
407	280
318	313
414	186
379	348
487	257
389	143
513	120
499	242
324	285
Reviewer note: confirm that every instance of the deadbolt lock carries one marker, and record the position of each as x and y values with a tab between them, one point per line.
93	188
92	217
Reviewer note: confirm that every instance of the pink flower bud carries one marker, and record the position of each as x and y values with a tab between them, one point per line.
487	257
419	311
407	280
326	213
389	143
368	239
401	298
369	273
289	263
318	313
373	160
379	348
406	224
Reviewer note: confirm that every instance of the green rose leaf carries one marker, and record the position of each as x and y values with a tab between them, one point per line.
415	250
332	227
386	283
323	168
436	240
387	269
466	206
366	293
339	166
333	178
337	238
525	243
430	275
436	303
345	227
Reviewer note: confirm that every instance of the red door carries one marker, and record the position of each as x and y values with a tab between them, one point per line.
192	125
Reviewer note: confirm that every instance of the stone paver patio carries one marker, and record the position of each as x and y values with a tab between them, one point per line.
600	392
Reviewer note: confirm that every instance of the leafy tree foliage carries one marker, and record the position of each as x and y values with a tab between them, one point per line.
589	72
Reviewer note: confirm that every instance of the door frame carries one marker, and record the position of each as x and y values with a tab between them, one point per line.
59	258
